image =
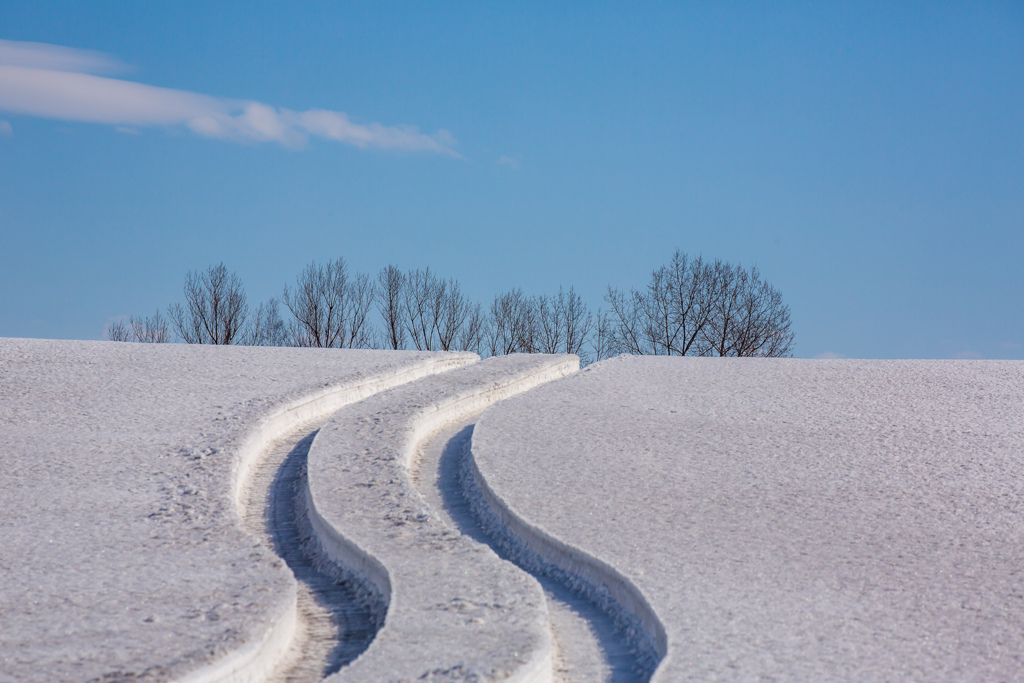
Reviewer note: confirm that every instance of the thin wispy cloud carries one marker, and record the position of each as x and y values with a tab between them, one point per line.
58	58
5	128
55	82
510	162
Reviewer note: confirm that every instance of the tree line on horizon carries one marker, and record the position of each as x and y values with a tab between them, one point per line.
689	307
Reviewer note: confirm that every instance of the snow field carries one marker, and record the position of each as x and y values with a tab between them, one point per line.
121	468
739	518
786	519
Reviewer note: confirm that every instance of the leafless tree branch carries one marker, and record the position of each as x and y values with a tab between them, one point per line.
390	300
267	327
119	332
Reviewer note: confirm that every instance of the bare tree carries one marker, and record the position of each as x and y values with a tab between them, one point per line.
437	315
751	320
550	335
474	331
680	301
267	327
720	333
215	310
692	307
602	341
390	302
421	307
452	311
361	333
768	327
669	316
513	324
151	329
563	322
329	309
501	338
577	321
119	332
626	332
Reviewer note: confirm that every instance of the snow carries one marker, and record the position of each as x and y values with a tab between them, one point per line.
791	519
741	518
454	609
121	467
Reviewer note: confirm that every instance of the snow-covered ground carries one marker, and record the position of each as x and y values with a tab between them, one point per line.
122	554
781	519
741	519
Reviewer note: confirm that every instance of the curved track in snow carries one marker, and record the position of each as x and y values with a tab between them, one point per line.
335	623
639	629
454	609
261	496
587	646
393	555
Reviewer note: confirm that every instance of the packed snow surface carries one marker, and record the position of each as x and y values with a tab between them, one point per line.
787	519
123	555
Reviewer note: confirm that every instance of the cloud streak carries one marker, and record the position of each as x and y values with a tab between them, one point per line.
57	58
50	81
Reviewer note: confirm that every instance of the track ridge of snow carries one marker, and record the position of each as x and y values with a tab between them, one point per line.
453	609
539	553
257	661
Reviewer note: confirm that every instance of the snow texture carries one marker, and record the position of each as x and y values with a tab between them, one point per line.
121	466
455	611
784	519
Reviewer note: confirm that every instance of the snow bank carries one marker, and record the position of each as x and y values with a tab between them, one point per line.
454	610
120	470
813	520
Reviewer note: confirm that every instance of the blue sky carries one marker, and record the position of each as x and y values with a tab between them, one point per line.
868	158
